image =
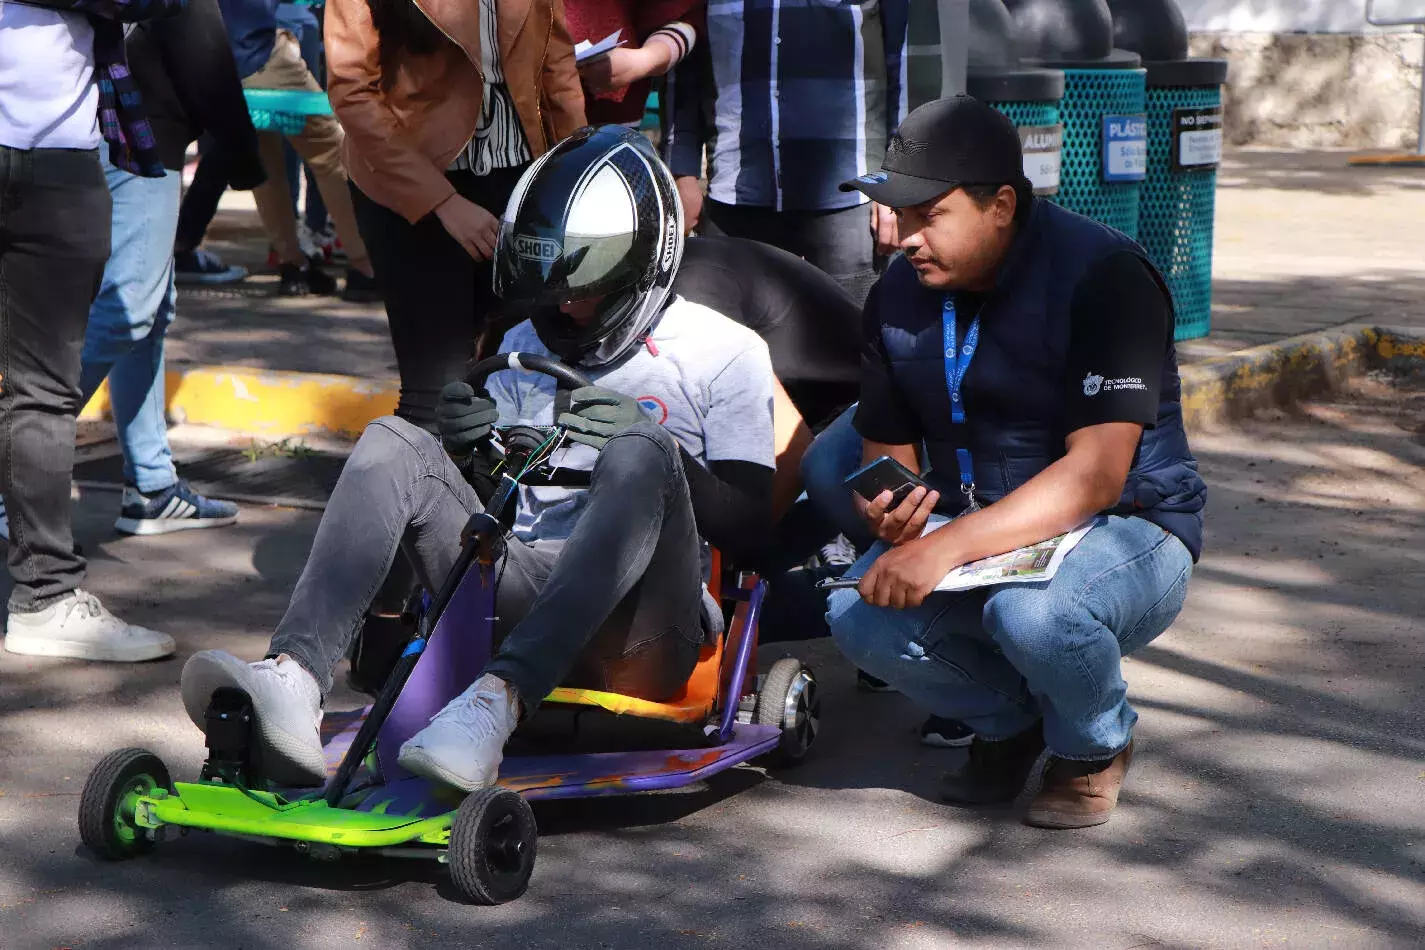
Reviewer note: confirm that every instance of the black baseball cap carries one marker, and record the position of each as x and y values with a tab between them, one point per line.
941	146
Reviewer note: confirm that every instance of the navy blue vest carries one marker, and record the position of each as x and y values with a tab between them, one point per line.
1013	393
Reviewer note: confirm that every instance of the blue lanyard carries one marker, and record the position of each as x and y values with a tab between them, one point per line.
957	364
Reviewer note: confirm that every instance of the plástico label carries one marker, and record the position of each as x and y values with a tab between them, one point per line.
1125	147
1197	138
1043	147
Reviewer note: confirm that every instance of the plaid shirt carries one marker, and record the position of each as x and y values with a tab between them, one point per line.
790	99
122	119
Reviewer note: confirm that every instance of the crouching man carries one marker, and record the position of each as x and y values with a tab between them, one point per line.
1029	351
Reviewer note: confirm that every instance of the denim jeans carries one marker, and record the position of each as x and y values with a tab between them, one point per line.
123	341
1000	658
834	454
128	321
54	240
617	606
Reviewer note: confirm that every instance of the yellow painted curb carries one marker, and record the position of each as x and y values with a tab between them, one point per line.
269	403
1277	374
276	404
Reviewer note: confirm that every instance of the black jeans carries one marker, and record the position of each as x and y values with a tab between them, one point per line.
200	202
54	241
617	606
837	241
437	296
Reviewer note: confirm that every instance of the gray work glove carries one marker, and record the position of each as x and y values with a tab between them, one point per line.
596	415
464	418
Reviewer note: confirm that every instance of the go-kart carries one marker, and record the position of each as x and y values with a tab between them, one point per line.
721	718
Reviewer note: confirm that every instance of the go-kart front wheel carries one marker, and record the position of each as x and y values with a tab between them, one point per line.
493	841
106	806
789	700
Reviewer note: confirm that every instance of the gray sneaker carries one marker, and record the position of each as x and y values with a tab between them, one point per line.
286	702
79	627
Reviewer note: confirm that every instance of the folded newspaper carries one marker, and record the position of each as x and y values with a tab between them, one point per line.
1027	565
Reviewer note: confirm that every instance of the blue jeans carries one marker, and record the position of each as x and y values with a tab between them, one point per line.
128	320
1000	658
833	455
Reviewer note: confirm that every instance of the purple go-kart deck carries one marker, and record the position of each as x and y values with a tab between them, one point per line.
556	776
454	656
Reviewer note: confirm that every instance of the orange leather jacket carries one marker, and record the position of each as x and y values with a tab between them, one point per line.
404	129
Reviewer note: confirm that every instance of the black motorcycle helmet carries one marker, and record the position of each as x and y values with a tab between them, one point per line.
597	215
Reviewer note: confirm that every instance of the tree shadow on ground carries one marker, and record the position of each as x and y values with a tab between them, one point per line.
1276	795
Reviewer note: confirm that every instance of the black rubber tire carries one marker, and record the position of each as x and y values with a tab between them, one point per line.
103	826
797	738
493	844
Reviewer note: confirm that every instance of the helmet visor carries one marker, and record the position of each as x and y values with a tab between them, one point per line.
544	267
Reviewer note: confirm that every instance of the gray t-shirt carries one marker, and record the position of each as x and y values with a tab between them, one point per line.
705	378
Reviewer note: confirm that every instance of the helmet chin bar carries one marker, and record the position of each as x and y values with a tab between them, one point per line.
623	319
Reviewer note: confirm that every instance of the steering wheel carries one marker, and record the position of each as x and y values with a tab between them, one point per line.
522	441
530	363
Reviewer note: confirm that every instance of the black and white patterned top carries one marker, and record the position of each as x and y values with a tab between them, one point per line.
499	140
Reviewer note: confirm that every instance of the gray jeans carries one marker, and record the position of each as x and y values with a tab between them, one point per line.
54	240
616	606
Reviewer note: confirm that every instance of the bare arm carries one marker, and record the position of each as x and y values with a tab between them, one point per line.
1087	480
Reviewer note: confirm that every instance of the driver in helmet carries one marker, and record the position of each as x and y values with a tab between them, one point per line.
600	587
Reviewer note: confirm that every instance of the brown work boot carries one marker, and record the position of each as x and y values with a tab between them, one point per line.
1079	794
996	772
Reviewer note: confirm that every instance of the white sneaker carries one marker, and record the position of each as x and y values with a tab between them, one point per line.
79	627
286	702
465	742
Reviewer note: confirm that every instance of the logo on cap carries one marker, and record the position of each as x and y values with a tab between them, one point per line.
900	148
537	248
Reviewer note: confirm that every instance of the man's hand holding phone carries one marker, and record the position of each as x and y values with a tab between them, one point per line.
895	503
901	523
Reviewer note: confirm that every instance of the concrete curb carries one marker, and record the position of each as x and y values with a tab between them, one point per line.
275	404
1273	375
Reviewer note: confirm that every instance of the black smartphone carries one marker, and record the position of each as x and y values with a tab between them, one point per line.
884	474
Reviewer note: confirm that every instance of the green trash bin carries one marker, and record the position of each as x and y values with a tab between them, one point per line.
1030	97
1105	138
1175	220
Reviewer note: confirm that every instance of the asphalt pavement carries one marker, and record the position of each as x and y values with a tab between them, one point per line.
1277	797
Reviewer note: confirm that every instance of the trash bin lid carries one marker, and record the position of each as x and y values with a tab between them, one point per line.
1187	72
1118	59
1015	85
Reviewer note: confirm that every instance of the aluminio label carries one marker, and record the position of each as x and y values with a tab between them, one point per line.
1125	147
1043	147
1197	138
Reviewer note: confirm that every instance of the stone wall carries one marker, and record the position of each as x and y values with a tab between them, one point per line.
1319	90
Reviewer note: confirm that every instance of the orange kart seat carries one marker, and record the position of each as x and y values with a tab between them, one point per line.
700	695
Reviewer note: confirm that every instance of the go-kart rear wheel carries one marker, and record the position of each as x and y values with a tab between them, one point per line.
106	806
789	700
493	841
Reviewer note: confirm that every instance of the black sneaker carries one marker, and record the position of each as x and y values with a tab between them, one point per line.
203	267
945	733
995	772
299	280
360	288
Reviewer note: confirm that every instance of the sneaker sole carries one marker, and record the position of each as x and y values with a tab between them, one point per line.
940	742
230	276
420	762
150	526
42	645
284	758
